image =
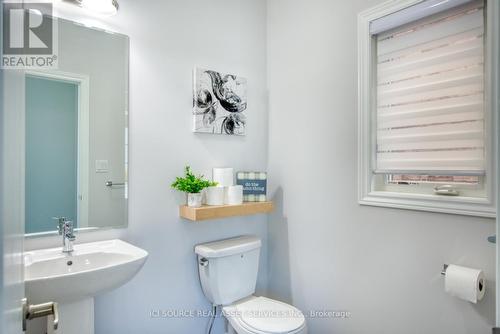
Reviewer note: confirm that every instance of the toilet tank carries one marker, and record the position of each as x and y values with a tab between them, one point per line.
228	268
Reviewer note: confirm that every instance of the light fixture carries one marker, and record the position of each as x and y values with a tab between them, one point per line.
103	7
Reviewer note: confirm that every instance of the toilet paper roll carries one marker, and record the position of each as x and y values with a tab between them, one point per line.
465	283
233	195
223	176
214	195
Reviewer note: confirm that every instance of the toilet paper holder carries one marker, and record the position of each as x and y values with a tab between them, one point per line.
443	272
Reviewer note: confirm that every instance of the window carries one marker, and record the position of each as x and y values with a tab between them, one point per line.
425	106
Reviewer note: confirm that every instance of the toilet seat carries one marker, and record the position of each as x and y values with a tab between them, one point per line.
261	315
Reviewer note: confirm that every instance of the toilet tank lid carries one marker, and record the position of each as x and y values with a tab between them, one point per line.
228	247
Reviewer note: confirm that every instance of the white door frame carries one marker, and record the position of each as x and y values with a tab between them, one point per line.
11	201
83	83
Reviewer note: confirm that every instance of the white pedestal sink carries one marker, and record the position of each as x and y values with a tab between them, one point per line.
72	280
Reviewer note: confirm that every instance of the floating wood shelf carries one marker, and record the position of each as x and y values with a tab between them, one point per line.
223	211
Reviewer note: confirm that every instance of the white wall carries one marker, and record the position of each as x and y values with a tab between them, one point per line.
326	251
167	38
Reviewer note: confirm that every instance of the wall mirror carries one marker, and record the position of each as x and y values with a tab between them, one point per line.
76	133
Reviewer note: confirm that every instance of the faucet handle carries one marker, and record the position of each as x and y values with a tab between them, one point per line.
68	228
60	220
60	223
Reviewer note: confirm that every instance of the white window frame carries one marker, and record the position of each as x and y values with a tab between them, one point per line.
367	193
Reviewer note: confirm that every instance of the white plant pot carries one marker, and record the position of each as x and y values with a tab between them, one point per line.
215	195
194	200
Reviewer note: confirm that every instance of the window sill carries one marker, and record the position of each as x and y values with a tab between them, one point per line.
468	206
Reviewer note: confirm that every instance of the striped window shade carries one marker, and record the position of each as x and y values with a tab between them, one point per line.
430	95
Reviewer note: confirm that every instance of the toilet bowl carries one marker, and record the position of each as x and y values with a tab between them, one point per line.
261	315
228	275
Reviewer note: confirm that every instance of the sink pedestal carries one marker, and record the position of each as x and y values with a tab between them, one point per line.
74	318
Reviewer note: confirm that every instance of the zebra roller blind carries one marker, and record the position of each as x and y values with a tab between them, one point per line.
430	94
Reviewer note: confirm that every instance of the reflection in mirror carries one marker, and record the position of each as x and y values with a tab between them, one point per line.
76	133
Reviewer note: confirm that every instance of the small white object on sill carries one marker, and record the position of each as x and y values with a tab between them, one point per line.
446	190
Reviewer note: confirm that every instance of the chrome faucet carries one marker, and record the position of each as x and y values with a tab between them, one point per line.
66	229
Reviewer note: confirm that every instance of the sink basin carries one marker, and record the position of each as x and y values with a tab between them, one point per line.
90	269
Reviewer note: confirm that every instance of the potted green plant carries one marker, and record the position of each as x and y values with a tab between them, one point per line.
192	185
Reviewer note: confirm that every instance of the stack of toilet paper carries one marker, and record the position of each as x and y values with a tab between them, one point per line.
225	192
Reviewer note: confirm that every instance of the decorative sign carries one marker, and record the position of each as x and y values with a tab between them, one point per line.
254	186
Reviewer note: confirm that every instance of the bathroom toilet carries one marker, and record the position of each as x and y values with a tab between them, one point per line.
228	274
